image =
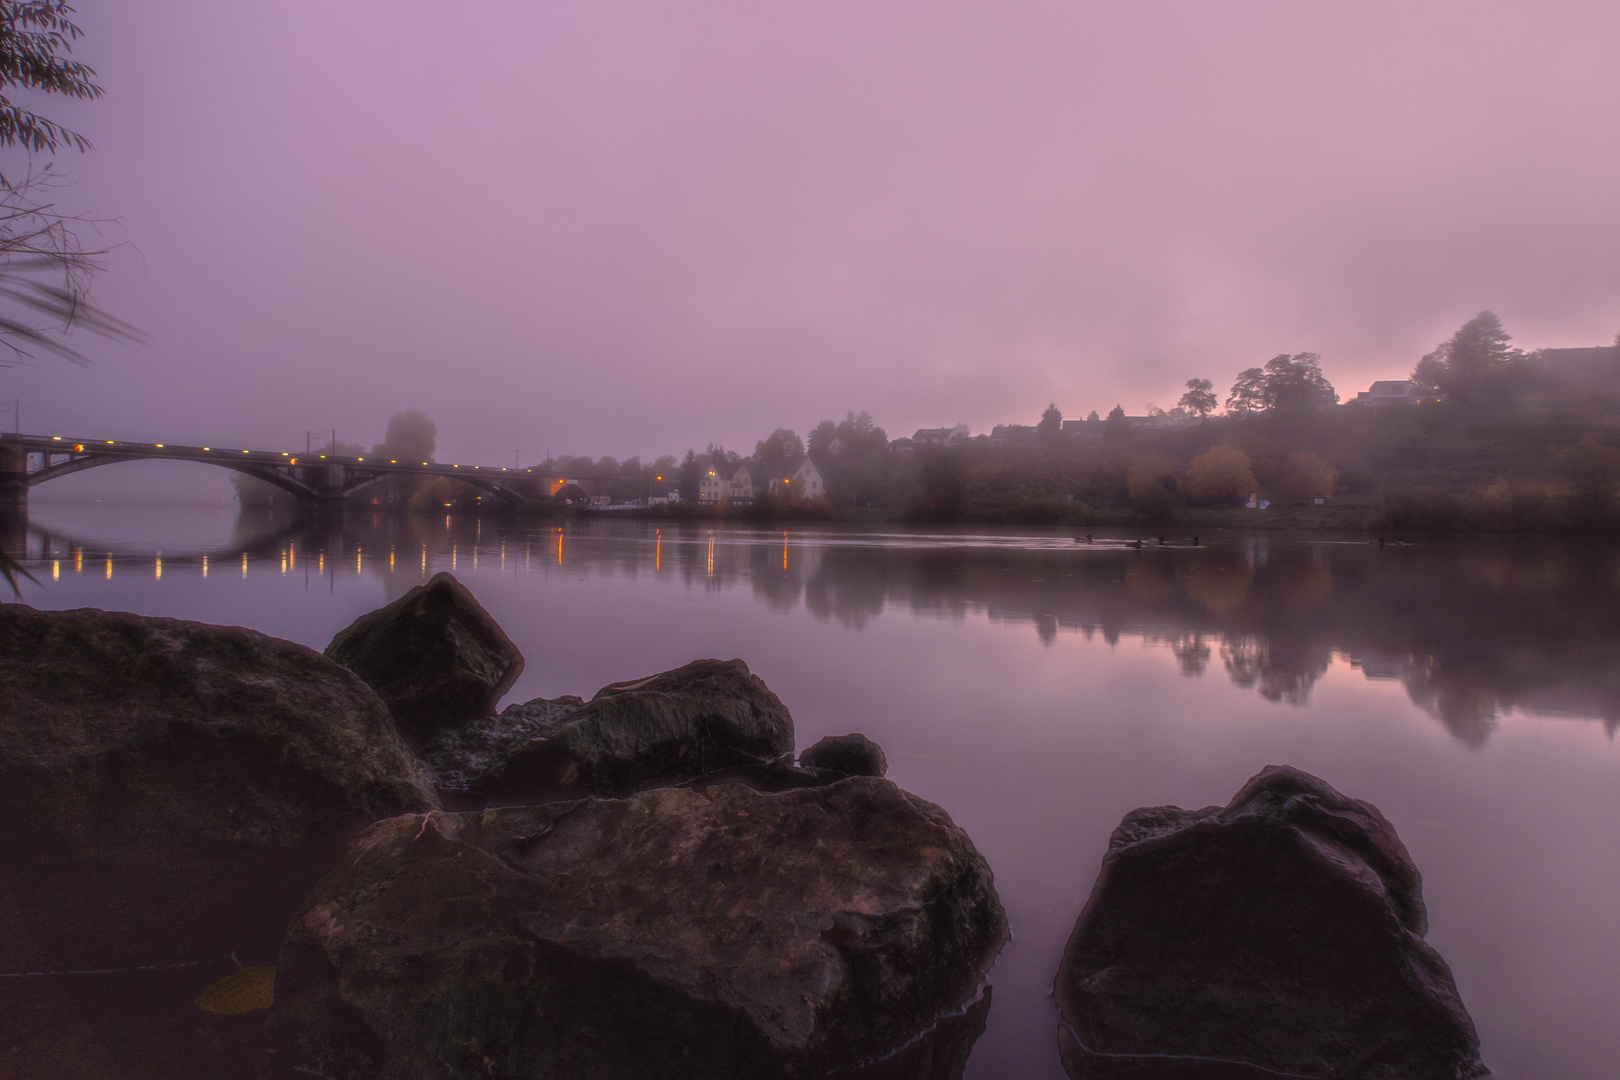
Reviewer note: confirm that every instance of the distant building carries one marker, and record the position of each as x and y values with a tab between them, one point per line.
932	436
902	446
1094	429
1389	392
1002	434
740	485
711	484
1597	365
800	480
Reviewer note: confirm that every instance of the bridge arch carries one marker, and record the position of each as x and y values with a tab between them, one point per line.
269	474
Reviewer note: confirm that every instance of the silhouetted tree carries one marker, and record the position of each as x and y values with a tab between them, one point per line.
1248	393
821	437
1471	364
410	437
1199	400
1051	424
688	476
1296	382
777	450
1115	427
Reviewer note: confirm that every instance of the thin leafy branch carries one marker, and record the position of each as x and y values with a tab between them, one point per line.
45	272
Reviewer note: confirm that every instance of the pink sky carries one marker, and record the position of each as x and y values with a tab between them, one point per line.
630	228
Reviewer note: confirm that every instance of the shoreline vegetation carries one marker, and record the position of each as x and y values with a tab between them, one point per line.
1481	438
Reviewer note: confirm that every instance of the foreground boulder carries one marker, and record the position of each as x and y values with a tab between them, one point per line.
170	790
708	716
722	933
435	657
1281	934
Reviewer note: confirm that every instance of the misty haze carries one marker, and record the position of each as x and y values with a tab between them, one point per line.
877	541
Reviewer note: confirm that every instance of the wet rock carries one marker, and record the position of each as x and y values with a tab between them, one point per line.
435	657
457	757
846	755
170	790
716	933
1282	932
668	728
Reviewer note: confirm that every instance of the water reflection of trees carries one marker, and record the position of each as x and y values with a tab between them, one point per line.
1473	631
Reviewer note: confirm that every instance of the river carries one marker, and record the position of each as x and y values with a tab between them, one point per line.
1038	689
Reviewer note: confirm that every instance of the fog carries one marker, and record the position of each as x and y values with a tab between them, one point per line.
630	228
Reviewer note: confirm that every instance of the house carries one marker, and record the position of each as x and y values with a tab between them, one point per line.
932	436
742	484
902	446
711	484
1095	429
1002	434
800	480
1389	392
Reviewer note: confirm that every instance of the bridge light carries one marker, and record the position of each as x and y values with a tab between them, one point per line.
285	454
391	461
244	451
359	459
158	445
58	438
78	448
109	442
208	448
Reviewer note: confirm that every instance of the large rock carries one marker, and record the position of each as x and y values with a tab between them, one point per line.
846	755
708	716
170	790
434	656
676	933
1283	931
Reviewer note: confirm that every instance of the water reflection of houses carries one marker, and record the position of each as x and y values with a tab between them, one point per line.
1471	632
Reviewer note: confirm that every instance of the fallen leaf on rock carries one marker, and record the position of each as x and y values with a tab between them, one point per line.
242	991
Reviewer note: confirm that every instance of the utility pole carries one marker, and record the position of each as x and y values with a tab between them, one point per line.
334	442
308	436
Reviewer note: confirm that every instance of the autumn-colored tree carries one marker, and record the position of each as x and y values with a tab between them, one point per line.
1151	477
1306	477
1221	472
1152	484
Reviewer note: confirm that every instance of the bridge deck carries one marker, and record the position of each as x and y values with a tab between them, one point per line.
216	455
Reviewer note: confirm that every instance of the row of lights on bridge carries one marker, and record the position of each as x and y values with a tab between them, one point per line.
78	448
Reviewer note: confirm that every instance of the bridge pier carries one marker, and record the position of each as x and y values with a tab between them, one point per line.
13	476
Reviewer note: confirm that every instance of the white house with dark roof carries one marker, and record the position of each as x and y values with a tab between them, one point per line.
800	479
1389	392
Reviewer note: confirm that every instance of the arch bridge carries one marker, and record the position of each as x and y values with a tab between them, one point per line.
316	480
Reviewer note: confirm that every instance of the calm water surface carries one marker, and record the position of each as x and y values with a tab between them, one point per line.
1039	689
